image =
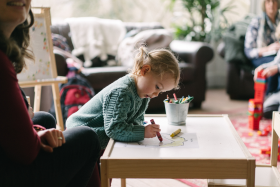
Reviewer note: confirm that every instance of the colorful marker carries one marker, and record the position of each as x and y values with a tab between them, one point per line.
175	133
181	100
158	134
175	96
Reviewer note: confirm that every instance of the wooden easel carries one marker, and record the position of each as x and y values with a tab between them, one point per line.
56	97
55	80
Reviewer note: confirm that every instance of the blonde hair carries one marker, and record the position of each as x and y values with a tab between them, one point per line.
263	5
162	61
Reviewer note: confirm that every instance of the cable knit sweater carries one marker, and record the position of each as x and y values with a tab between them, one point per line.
115	112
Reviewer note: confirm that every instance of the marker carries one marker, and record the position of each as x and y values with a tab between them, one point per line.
175	133
181	100
175	96
158	134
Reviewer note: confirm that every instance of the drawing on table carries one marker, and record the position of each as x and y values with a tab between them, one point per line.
187	140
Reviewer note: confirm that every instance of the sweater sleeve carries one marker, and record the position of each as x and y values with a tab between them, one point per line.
115	110
250	44
18	139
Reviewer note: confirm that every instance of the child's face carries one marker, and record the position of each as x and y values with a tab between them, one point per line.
150	85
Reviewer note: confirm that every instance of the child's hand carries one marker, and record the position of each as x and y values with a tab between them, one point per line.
151	130
257	70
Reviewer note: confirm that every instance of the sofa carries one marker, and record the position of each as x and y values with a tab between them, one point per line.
193	57
240	82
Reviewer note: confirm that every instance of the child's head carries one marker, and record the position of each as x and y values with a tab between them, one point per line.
159	67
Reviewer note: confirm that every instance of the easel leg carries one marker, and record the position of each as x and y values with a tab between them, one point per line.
123	183
57	106
37	98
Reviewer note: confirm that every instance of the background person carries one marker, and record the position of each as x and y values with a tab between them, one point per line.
261	44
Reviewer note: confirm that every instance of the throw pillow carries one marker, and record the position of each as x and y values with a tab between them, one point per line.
153	39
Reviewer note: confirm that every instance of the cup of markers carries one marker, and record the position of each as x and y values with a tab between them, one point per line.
177	109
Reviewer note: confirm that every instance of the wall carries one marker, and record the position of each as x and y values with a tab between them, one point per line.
217	68
147	11
256	7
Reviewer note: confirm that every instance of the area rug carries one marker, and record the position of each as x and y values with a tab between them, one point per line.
251	139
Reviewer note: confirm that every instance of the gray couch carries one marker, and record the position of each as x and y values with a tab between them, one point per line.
193	57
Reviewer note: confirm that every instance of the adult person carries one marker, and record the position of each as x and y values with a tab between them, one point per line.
30	158
272	102
261	44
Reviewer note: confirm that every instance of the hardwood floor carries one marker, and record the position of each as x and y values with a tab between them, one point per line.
217	102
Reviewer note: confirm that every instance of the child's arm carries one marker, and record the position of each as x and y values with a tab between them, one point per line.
150	130
116	107
270	68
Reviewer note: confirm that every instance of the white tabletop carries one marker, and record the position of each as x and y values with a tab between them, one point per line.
215	136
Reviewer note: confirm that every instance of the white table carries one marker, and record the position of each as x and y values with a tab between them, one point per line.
221	154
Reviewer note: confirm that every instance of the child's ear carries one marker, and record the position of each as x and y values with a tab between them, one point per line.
145	69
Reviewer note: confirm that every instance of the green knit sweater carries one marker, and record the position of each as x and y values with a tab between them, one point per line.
115	112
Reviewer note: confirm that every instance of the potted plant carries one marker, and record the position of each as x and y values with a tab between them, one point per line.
211	15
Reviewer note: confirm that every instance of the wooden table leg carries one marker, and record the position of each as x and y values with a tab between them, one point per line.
251	173
105	181
57	106
123	183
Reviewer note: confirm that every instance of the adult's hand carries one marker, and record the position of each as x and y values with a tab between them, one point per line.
30	112
51	138
270	71
273	46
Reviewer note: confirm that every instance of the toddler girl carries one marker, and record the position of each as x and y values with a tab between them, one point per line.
117	111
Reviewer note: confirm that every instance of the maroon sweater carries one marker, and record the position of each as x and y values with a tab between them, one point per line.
18	139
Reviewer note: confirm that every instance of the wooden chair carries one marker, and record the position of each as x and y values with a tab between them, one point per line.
266	175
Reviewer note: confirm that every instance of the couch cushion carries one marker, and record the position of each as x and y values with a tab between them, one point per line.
142	26
187	72
100	77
